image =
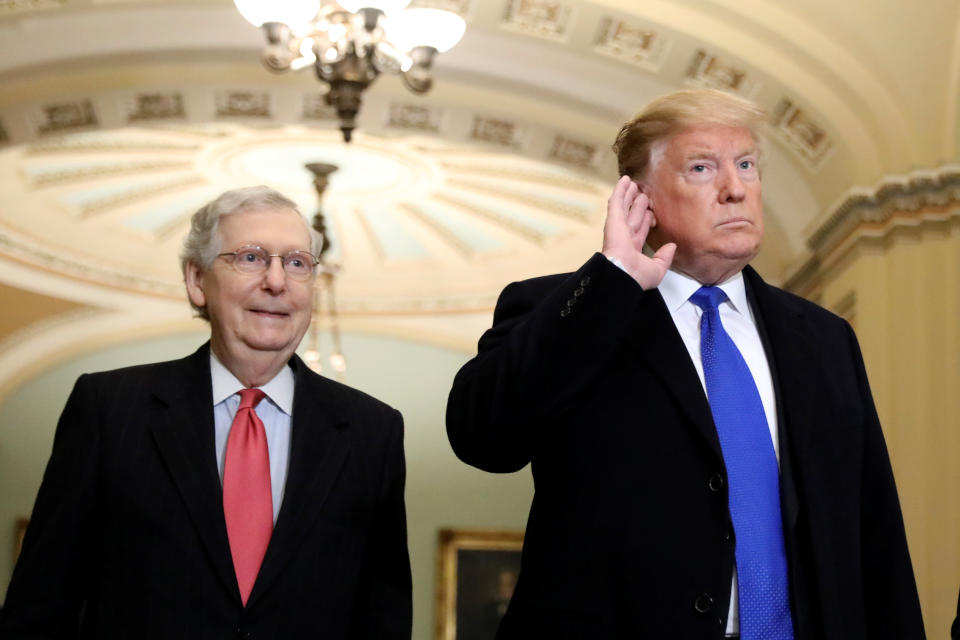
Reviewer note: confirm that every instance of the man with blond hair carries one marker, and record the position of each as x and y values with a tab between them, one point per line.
233	493
707	458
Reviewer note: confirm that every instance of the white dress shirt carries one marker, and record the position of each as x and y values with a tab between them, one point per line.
274	411
739	323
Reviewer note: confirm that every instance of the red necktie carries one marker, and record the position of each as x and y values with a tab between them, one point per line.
247	499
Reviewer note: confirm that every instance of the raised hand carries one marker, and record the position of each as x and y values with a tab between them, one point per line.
625	231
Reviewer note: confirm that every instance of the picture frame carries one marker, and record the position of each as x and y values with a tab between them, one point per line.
476	572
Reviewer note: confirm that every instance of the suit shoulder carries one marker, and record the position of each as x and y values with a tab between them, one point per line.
135	372
804	306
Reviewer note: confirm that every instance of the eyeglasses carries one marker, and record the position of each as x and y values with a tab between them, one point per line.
253	259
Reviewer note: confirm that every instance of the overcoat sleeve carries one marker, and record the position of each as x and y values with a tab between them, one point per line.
550	340
52	576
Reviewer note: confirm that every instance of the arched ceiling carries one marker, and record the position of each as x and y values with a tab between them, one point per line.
118	119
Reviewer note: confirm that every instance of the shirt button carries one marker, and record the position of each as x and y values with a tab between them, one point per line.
584	281
578	292
565	312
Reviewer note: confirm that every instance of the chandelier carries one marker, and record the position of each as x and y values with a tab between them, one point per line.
351	42
324	297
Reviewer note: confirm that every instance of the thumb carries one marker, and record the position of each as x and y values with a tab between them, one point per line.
664	255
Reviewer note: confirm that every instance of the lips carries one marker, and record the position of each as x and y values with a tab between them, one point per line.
269	313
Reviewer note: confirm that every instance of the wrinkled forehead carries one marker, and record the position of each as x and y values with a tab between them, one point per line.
269	221
704	141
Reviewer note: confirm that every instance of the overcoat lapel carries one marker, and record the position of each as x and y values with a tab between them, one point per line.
789	345
654	336
184	432
318	449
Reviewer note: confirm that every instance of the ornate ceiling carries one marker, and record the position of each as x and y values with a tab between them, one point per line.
118	119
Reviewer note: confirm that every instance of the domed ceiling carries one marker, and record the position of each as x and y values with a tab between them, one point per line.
119	119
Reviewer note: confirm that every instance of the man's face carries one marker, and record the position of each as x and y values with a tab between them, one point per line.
705	196
255	314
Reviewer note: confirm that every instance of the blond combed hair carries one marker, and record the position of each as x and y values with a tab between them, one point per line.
668	115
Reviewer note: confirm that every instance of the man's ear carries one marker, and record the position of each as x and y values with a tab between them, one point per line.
193	278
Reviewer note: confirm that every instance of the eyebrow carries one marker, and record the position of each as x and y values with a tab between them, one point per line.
704	154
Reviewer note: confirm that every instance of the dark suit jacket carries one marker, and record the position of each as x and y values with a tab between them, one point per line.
128	538
585	376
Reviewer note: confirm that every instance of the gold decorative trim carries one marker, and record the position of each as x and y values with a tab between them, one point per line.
65	116
801	132
547	19
708	70
156	106
243	104
575	152
502	132
910	193
414	116
634	44
449	543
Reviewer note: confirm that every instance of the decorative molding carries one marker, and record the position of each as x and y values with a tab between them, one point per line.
449	236
414	116
496	131
65	116
460	7
96	171
31	253
707	70
546	19
631	43
83	145
912	193
492	215
801	132
243	104
517	173
575	152
22	6
315	107
156	106
94	207
552	206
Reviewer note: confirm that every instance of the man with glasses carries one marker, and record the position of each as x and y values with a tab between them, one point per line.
230	494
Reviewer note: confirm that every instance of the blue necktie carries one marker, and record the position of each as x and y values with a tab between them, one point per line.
753	478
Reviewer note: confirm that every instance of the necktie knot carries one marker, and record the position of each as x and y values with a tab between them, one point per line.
708	298
250	398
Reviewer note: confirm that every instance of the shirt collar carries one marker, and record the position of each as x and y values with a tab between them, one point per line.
677	288
279	389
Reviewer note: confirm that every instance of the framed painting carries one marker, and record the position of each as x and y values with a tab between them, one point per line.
476	573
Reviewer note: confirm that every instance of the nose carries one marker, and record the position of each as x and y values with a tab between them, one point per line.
730	188
275	278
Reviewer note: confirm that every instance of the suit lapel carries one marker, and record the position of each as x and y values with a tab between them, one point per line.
184	432
660	346
318	449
